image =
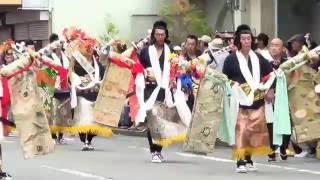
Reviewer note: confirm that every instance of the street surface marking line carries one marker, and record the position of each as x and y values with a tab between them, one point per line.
260	164
77	173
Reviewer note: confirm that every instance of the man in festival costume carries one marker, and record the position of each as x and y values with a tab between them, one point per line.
7	121
164	117
192	52
153	58
86	73
297	86
251	133
276	51
20	90
6	55
262	46
191	48
61	113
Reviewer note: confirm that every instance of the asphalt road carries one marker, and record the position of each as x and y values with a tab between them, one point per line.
123	158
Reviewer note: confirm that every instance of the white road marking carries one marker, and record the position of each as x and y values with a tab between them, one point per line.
77	173
259	164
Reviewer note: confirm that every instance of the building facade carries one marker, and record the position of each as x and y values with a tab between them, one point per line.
36	19
27	19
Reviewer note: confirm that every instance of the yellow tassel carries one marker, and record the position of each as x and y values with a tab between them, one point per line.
172	140
94	129
11	129
259	151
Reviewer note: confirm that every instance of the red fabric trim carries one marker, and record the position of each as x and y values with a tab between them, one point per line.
20	71
5	101
266	78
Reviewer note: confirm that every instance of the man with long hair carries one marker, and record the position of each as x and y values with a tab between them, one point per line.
155	59
251	133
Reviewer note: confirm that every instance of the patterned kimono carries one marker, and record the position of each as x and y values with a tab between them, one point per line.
27	108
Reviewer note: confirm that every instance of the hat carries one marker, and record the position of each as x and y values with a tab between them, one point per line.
242	27
160	24
297	37
216	43
205	38
177	48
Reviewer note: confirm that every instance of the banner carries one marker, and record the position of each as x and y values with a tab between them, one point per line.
112	95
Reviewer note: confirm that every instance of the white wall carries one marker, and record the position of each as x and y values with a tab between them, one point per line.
90	15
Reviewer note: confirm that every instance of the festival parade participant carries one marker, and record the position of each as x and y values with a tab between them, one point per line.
85	74
251	132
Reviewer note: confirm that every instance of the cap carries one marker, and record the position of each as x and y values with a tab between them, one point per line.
205	38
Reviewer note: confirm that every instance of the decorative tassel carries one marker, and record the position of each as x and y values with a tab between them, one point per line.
242	152
94	129
168	141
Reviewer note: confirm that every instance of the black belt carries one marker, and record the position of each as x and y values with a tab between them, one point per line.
87	91
60	94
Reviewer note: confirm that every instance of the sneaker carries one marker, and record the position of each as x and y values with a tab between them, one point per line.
90	147
85	147
155	158
302	154
251	167
272	157
241	169
160	156
313	151
283	157
62	141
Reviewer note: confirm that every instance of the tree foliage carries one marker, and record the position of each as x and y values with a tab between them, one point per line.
110	31
183	18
